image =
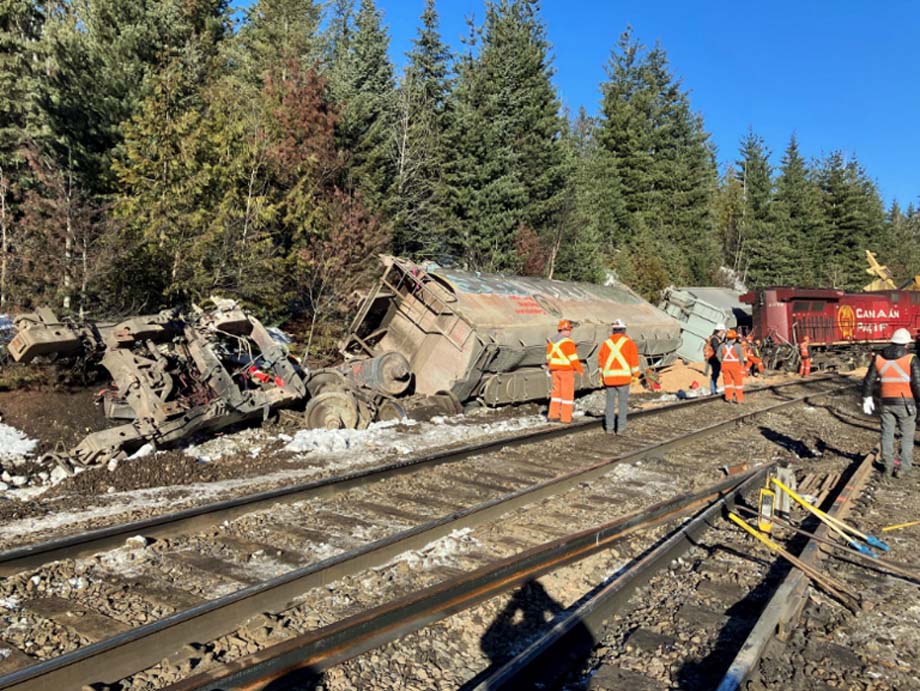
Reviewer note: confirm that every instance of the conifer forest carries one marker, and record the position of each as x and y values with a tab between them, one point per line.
156	152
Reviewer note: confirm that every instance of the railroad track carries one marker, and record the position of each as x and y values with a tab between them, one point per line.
197	587
702	624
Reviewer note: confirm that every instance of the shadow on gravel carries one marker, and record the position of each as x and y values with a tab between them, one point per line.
802	450
529	613
705	673
301	680
796	446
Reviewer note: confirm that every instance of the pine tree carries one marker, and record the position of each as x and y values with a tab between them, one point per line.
729	209
274	31
594	216
666	167
363	86
853	217
798	220
23	120
419	205
764	252
104	54
507	171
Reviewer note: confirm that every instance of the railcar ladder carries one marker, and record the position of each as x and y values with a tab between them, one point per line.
418	299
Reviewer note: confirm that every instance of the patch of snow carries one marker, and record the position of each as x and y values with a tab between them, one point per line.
11	603
227	445
381	439
118	503
14	443
146	450
441	552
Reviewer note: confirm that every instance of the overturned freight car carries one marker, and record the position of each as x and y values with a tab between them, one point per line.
483	336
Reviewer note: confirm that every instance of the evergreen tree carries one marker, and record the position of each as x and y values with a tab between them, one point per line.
419	205
853	218
764	251
275	31
798	220
363	86
104	54
22	119
508	169
730	210
594	217
666	168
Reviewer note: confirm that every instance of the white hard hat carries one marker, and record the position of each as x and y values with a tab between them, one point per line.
901	337
720	327
618	324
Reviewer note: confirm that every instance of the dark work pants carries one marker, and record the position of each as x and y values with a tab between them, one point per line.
617	397
902	416
716	366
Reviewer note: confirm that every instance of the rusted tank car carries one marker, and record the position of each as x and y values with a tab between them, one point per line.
483	337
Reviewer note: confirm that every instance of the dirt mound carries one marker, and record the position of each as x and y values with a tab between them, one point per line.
53	417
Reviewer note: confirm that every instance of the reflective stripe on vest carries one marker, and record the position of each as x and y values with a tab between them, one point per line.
729	354
556	357
895	376
803	349
624	369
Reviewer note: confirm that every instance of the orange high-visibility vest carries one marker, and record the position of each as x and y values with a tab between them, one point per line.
803	351
619	360
562	355
895	376
728	353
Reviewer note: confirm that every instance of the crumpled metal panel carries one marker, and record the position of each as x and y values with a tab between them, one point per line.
173	373
699	310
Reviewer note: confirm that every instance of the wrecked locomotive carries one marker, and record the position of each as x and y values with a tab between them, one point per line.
842	327
425	340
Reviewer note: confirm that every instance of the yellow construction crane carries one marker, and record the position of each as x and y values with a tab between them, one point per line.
884	280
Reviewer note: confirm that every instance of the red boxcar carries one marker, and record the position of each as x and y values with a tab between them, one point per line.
843	327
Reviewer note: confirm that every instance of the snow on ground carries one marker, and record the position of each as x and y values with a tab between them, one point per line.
383	438
143	499
14	444
318	452
244	441
441	552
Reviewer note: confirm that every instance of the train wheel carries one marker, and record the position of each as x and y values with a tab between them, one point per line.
331	410
326	380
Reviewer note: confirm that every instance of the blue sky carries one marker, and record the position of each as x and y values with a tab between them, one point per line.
842	75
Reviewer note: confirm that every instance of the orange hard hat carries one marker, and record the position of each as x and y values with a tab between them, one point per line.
564	325
805	339
730	334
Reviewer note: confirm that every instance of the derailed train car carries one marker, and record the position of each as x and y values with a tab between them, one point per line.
842	327
483	337
424	341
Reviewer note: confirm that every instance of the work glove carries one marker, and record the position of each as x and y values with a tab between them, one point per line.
868	405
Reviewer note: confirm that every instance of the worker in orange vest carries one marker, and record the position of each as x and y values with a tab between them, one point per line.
618	360
733	359
562	362
755	356
899	374
805	355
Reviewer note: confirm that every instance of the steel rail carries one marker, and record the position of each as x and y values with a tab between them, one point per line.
318	650
127	653
790	597
203	517
575	632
